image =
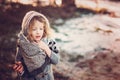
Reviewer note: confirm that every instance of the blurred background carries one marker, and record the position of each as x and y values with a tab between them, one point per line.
87	32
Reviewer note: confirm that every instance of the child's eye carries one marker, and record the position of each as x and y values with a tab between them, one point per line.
34	29
41	28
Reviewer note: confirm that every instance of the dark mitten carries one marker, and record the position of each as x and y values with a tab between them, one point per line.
52	46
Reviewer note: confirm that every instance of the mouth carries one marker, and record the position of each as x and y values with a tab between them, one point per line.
37	37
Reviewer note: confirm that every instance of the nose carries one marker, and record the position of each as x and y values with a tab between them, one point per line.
38	31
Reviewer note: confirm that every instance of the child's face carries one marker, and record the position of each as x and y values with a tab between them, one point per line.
37	31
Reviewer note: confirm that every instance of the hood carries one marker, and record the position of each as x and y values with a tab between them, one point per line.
27	18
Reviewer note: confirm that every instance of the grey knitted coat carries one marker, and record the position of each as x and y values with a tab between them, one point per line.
32	57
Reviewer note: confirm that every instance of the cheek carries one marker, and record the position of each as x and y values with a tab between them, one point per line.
42	32
30	36
33	34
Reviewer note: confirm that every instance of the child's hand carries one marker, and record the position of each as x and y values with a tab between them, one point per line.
18	67
44	47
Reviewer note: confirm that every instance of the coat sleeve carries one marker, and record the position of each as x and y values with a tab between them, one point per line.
54	58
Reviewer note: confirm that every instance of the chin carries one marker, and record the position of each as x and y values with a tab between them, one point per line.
38	40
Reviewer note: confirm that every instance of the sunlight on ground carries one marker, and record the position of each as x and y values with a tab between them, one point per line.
80	35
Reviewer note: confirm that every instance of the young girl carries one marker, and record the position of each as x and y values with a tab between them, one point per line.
36	51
